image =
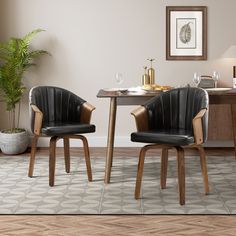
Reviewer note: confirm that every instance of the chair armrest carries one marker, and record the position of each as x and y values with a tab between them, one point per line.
86	112
197	127
141	118
38	119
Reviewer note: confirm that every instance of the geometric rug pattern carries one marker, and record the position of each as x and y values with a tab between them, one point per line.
73	194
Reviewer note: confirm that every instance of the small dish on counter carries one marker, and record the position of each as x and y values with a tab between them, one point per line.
218	89
135	89
115	90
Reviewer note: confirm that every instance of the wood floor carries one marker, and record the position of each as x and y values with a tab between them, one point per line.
120	225
134	151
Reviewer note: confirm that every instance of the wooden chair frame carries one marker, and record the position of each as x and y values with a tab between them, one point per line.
141	118
86	113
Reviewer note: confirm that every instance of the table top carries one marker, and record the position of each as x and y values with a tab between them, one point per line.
103	93
107	94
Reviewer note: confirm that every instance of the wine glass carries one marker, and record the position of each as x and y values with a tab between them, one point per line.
215	77
196	79
119	80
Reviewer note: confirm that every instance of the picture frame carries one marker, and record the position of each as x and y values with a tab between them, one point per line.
186	33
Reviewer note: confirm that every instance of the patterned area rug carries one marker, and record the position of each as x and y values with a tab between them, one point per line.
73	194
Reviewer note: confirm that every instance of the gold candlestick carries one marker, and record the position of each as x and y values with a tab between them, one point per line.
151	72
145	77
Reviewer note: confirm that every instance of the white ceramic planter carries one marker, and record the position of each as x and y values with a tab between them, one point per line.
14	143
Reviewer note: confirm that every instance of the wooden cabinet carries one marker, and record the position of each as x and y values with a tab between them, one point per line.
220	123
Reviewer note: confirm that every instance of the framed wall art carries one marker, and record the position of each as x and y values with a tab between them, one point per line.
186	33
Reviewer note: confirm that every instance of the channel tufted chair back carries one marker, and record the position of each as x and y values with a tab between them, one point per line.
176	109
56	104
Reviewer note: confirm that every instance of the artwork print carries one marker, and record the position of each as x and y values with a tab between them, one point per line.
186	33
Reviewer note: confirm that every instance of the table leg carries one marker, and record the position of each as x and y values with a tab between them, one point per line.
110	139
233	111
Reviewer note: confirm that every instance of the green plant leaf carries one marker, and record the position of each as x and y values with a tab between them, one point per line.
15	58
27	39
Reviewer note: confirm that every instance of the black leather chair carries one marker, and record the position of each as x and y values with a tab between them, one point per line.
175	119
59	114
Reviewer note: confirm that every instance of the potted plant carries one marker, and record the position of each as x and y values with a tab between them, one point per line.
16	57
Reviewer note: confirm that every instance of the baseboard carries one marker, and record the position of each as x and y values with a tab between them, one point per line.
121	141
97	141
219	143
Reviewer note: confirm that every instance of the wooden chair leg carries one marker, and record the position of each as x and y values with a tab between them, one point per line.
52	160
204	168
164	165
67	154
32	156
181	174
87	158
140	172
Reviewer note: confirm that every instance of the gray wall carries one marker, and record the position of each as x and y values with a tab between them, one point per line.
91	40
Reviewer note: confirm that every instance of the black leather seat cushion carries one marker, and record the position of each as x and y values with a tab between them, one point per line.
178	137
59	128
